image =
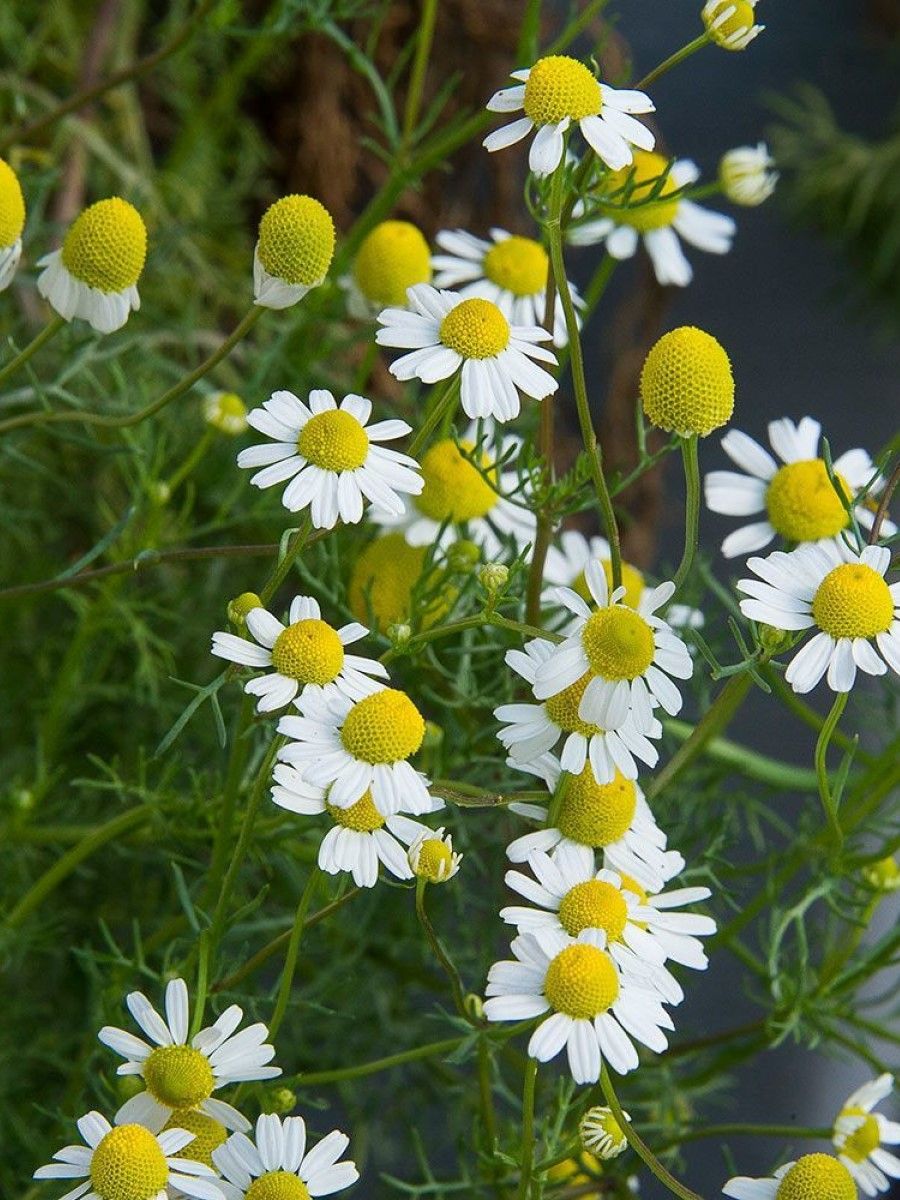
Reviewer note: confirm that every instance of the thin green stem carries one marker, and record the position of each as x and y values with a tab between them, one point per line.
673	60
440	953
807	715
424	40
439	408
691	508
474	622
526	1154
828	801
431	1050
52	327
293	950
282	568
737	1130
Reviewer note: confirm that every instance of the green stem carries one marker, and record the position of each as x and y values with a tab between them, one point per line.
432	1050
281	569
828	801
293	950
192	461
52	327
526	1156
735	1130
474	622
691	508
807	715
440	953
748	762
441	405
424	40
673	60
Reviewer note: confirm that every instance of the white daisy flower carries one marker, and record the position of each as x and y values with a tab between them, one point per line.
12	223
601	1133
447	333
558	91
279	1166
731	23
841	593
293	251
465	495
746	175
127	1161
307	656
659	216
797	498
532	730
859	1135
351	747
361	836
597	1004
178	1074
629	653
509	270
327	452
817	1175
432	857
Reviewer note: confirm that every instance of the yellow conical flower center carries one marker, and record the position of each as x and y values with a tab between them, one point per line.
632	582
334	440
106	245
309	651
817	1177
241	605
652	208
618	643
581	982
576	1172
686	383
630	884
361	817
866	1138
208	1133
454	489
853	601
226	411
475	329
434	861
562	709
128	1164
392	258
12	206
296	240
519	265
802	504
597	814
594	904
178	1076
559	87
740	21
382	582
277	1185
383	728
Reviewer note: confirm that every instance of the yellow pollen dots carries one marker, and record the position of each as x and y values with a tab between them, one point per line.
454	489
208	1133
594	904
106	245
653	207
632	885
618	643
128	1164
817	1177
434	861
296	240
12	206
309	651
562	709
383	728
277	1185
597	814
632	582
853	601
334	441
686	383
581	982
383	579
559	87
392	258
803	505
518	265
361	817
178	1076
860	1144
475	329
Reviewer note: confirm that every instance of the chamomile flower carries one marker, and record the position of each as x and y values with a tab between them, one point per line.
392	258
687	384
360	838
126	1161
328	452
351	747
629	653
293	251
731	24
796	498
307	656
12	222
225	411
812	1177
95	273
746	175
558	91
859	1135
278	1165
466	495
601	1133
657	215
597	1005
509	269
433	858
449	334
844	596
178	1074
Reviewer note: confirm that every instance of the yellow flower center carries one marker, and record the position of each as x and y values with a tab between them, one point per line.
597	814
581	982
853	601
594	904
12	206
562	709
178	1076
334	440
576	1172
277	1185
105	246
883	875
860	1144
309	651
559	87
817	1177
435	859
686	383
128	1164
618	643
241	605
632	582
454	489
382	582
383	728
741	20
225	411
519	265
361	817
631	885
394	257
802	504
643	181
208	1133
475	329
296	240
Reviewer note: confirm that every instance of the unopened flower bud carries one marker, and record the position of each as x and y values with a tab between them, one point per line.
884	875
226	412
399	634
432	857
474	1006
239	607
731	23
493	577
601	1132
462	555
281	1100
746	175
